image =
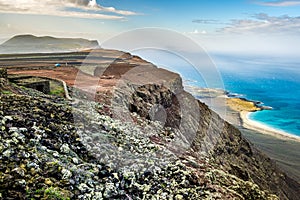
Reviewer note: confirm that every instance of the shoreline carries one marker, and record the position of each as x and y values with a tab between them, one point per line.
238	111
245	107
265	129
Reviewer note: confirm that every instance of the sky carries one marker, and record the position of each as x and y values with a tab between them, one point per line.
235	26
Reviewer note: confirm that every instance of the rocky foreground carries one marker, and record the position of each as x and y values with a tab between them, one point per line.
52	148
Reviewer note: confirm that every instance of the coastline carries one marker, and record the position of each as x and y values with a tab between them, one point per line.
245	107
265	129
238	111
280	146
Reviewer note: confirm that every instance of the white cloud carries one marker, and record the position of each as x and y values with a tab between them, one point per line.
65	8
196	31
207	21
263	23
280	3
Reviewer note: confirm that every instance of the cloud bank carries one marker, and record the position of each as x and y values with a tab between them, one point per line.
207	21
63	8
265	24
280	3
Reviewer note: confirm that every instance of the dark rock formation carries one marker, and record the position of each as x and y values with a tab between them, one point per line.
39	84
3	73
46	153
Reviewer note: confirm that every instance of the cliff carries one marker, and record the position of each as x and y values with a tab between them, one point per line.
145	139
200	130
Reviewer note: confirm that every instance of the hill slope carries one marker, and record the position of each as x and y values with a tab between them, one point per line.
46	44
147	139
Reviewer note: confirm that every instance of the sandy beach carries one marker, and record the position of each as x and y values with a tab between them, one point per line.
245	108
237	111
262	128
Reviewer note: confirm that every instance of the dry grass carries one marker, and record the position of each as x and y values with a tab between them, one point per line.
239	105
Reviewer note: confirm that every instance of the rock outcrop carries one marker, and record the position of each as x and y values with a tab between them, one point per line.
3	73
52	150
201	130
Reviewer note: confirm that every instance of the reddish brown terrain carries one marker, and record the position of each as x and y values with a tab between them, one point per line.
96	72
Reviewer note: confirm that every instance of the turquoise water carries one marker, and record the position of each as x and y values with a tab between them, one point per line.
274	82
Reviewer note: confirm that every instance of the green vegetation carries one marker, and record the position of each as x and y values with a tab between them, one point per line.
56	88
6	92
51	193
58	91
55	193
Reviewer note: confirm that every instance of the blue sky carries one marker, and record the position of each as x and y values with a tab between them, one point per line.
236	26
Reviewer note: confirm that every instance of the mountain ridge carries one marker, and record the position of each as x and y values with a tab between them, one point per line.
28	43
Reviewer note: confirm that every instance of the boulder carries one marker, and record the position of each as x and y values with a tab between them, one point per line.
3	73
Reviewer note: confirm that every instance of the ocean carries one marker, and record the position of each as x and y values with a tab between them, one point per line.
274	82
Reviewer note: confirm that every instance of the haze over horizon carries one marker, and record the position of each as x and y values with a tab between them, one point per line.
239	26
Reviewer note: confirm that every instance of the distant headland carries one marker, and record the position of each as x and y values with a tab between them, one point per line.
45	44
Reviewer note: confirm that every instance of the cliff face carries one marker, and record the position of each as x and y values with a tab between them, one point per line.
198	129
149	139
51	149
240	158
